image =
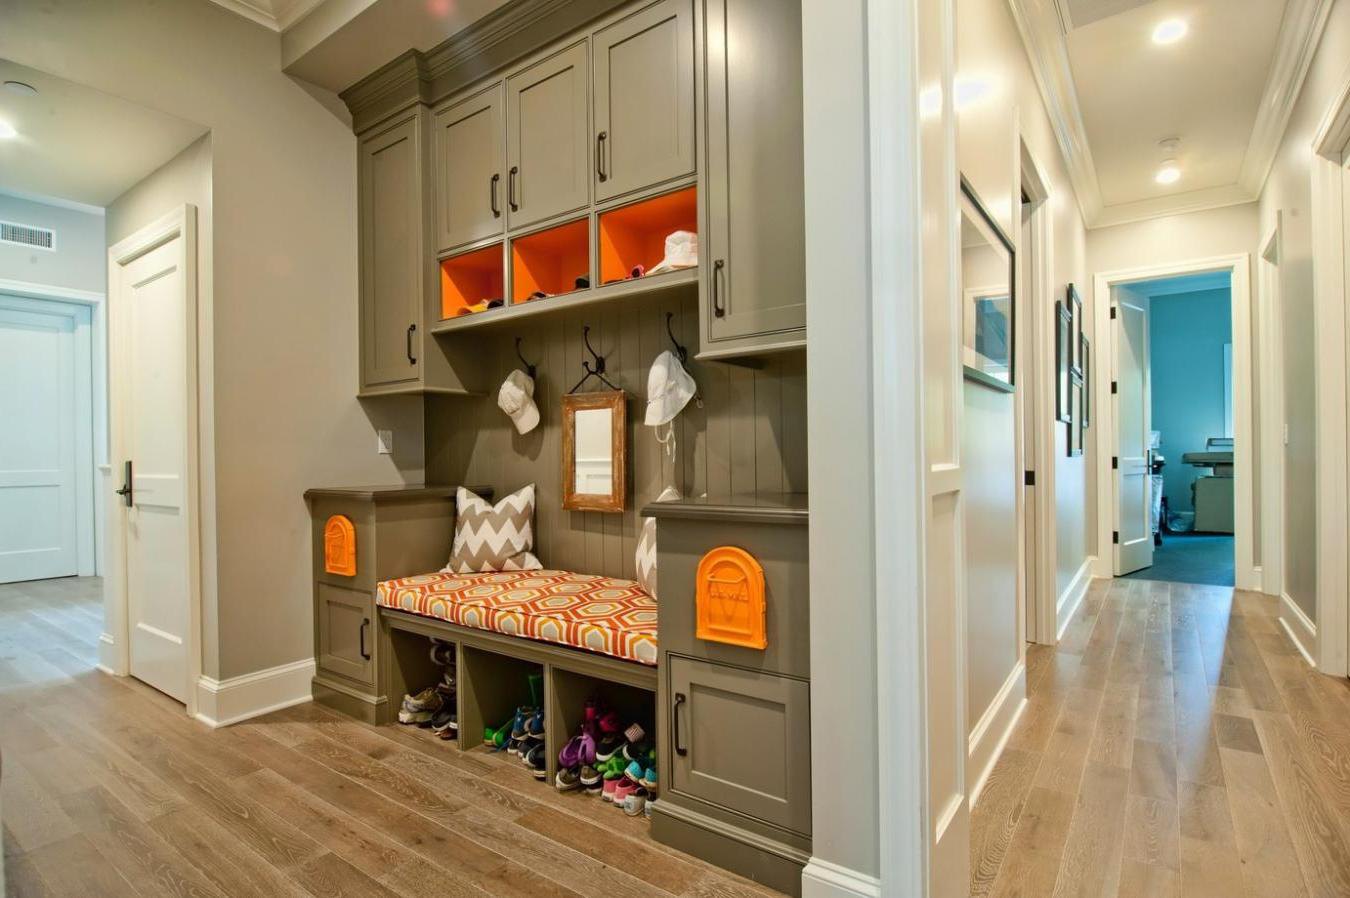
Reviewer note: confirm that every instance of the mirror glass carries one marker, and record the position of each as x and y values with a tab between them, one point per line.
594	452
987	307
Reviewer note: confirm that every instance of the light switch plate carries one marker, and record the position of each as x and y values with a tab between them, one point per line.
384	442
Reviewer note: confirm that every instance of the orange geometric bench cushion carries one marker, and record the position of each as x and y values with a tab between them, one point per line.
600	614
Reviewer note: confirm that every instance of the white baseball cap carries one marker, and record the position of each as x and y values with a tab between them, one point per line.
681	252
669	389
516	398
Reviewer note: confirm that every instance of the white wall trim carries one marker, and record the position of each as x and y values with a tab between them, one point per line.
1069	601
1300	628
990	734
223	702
31	290
109	656
59	202
1271	387
277	15
823	879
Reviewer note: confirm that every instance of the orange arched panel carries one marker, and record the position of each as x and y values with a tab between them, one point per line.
731	598
339	546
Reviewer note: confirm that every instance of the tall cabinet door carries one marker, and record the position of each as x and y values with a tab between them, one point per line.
469	148
547	143
391	253
753	246
643	68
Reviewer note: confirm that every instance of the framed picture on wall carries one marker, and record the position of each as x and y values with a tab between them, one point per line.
1075	303
1063	361
1075	428
989	300
1085	359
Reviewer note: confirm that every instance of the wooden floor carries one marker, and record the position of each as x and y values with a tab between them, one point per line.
108	789
1174	744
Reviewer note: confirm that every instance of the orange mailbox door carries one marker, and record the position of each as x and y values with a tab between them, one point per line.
339	546
730	598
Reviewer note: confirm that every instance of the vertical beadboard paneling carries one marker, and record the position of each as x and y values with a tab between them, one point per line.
749	435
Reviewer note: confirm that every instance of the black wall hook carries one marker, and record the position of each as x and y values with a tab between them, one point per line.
679	350
530	369
599	370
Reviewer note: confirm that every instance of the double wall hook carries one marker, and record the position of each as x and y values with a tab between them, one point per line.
679	350
530	368
598	371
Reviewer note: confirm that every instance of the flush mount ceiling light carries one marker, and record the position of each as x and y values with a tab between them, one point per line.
1170	173
7	131
21	88
1169	31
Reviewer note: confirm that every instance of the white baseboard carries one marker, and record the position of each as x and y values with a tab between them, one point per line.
1072	597
990	734
223	702
108	656
825	879
1302	631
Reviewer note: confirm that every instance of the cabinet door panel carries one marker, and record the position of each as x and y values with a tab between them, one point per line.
716	712
469	149
346	633
643	71
391	253
548	157
754	270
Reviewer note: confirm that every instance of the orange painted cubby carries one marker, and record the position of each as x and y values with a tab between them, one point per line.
550	260
471	278
636	234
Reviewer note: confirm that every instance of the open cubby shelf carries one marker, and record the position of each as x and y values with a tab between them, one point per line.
551	261
471	278
635	234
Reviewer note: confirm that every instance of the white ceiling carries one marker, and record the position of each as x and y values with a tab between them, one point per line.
76	143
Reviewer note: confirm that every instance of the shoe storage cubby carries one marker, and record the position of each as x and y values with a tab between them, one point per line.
635	234
569	692
491	687
410	666
471	278
550	261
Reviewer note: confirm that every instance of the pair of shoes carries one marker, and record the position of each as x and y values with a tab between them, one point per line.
641	774
446	722
419	709
614	742
534	758
442	653
637	802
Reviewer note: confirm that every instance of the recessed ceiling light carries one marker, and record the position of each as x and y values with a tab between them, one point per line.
21	88
7	131
1170	173
1169	31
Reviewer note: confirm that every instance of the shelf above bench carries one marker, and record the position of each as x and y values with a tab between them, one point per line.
763	508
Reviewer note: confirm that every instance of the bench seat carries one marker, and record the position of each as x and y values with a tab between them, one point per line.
605	615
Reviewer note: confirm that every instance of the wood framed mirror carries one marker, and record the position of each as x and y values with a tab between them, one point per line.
595	451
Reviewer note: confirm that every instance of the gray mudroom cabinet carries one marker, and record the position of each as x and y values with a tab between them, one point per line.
752	245
547	138
643	82
468	152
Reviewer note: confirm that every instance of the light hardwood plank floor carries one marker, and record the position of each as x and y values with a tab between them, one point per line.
107	788
1175	743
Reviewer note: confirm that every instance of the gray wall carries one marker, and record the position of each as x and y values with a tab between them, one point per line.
749	436
283	300
79	261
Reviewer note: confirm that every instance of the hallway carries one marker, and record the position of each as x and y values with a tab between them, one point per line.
1173	744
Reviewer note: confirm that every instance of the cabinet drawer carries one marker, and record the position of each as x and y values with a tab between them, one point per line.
346	631
742	740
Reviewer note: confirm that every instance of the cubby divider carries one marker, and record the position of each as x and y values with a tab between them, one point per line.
635	234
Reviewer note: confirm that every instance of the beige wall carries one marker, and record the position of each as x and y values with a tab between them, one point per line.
1288	195
283	369
1173	238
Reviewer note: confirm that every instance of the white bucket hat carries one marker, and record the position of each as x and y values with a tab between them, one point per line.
681	252
669	389
516	399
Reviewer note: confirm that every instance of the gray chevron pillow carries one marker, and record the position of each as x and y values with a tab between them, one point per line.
492	538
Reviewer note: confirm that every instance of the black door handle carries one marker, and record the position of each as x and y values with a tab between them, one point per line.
412	359
511	187
492	194
680	749
600	155
126	492
719	307
364	624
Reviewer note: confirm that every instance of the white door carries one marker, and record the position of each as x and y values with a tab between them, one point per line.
153	390
41	447
1134	517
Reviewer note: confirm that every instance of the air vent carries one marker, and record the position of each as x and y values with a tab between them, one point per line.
27	236
1077	13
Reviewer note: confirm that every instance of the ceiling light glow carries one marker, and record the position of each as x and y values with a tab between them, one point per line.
7	131
1169	31
21	88
1170	173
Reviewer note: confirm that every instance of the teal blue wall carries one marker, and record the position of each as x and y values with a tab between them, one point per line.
1187	332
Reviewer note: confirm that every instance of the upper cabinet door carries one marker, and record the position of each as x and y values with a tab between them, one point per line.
547	138
754	274
469	148
391	253
643	69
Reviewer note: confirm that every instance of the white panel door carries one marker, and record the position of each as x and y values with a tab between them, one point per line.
153	393
1134	518
38	440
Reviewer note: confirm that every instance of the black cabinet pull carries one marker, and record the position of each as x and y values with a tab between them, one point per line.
719	307
364	624
511	188
492	196
127	492
600	155
412	359
680	748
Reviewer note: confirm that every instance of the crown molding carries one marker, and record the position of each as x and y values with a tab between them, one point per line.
1300	33
278	15
1173	204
